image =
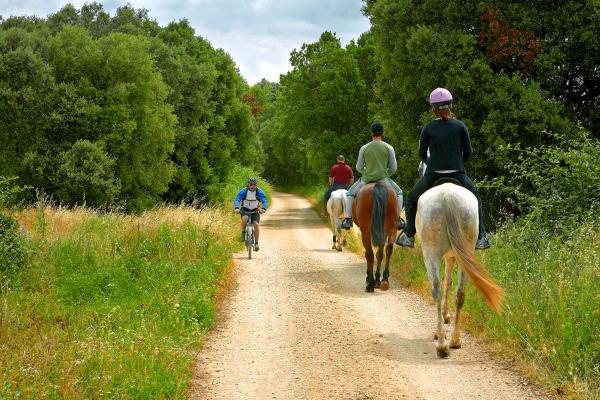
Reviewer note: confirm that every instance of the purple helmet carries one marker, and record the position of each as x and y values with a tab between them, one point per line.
440	98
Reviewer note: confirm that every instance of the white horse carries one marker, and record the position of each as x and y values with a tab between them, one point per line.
447	224
335	209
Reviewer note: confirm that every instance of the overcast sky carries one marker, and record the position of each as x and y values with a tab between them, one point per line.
259	34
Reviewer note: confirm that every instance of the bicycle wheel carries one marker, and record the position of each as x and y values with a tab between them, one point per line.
250	242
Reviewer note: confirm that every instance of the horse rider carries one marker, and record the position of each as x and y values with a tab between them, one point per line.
376	161
449	145
340	177
249	197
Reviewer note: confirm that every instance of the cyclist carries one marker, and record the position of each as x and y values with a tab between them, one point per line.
248	198
447	140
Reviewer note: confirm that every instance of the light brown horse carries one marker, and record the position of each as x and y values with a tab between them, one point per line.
375	213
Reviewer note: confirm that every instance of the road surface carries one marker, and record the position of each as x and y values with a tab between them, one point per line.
299	325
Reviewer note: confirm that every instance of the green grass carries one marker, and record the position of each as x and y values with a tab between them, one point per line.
551	318
110	305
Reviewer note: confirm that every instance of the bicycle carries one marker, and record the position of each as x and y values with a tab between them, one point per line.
250	232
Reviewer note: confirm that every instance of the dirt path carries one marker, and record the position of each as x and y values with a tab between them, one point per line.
300	326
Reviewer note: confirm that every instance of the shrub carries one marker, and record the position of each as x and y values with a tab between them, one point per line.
86	175
12	249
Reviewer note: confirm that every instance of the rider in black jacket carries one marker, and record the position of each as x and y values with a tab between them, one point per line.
447	140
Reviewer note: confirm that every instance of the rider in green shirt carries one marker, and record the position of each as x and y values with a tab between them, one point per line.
376	161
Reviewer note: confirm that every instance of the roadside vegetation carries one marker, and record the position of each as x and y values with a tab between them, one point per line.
107	304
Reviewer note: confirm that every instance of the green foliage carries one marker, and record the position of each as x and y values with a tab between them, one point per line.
163	105
433	43
86	172
12	247
321	104
556	184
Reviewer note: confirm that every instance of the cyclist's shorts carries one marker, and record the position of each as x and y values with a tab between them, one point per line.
245	211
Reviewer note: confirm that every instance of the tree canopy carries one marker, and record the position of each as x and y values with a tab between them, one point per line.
150	113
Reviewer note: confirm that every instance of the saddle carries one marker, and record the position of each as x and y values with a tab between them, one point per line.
441	181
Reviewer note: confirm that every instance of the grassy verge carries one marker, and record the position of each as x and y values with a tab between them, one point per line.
551	319
110	305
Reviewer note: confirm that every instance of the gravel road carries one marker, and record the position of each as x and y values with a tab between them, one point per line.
298	325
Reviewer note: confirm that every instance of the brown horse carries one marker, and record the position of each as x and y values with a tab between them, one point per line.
375	213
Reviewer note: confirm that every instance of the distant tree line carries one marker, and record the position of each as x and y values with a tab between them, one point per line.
524	74
102	109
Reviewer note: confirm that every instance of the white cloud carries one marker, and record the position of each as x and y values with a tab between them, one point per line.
258	34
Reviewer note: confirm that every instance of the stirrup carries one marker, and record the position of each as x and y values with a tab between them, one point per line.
482	243
405	241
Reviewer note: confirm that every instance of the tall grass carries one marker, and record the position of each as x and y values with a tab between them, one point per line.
551	318
111	305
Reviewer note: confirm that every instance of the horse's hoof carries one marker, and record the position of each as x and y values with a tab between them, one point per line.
455	344
333	247
338	248
447	319
442	351
385	285
370	289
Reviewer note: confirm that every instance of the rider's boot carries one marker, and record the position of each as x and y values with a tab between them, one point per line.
405	241
347	222
482	242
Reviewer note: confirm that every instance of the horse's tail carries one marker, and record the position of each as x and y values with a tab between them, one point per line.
465	256
380	200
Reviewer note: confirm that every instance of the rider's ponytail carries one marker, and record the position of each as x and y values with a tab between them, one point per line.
445	113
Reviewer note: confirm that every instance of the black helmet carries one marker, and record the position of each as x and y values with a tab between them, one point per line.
376	128
252	181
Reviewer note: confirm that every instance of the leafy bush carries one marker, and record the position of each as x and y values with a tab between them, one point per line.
86	175
12	250
555	184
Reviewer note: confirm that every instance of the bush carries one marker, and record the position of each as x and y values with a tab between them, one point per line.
86	176
554	184
12	249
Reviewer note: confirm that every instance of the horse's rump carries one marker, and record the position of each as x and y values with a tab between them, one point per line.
375	211
447	221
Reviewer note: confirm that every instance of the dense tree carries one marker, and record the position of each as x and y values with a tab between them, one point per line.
159	109
490	61
322	111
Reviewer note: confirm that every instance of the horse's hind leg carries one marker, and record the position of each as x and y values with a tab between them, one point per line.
449	261
334	229
378	272
389	248
369	256
340	237
460	300
433	270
